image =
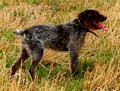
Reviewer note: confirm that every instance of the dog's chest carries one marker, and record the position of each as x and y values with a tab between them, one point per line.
80	39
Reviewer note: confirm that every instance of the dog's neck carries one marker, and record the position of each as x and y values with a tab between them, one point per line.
86	29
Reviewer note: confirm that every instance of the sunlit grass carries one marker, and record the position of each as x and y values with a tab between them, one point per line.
99	59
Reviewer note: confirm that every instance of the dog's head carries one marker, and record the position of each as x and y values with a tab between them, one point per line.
92	19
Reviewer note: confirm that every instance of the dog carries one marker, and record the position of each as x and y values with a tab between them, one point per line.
63	37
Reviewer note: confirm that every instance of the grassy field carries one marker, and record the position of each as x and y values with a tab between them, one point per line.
99	58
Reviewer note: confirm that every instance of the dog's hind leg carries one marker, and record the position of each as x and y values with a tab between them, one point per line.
36	57
36	52
23	56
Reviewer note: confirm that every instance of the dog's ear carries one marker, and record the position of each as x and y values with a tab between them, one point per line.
81	17
85	15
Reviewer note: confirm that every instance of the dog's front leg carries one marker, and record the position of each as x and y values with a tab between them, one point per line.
73	58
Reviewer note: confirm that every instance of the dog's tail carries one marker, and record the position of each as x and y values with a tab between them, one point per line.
18	32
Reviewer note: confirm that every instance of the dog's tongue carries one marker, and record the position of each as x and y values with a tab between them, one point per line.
99	25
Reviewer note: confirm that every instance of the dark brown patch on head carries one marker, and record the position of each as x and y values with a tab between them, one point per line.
92	19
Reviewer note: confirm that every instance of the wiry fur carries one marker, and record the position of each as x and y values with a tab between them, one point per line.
64	37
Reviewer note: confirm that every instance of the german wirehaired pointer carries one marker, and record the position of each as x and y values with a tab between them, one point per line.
64	37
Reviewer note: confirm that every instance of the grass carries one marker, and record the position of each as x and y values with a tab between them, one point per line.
99	59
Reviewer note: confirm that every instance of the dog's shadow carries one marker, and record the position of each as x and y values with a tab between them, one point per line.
50	69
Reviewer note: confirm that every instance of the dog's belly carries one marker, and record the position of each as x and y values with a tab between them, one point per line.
57	45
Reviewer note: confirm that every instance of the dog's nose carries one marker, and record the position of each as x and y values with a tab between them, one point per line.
105	18
102	18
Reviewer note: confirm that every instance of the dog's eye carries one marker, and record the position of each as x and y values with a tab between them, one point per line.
90	16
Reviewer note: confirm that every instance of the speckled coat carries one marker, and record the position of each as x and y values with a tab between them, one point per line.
63	37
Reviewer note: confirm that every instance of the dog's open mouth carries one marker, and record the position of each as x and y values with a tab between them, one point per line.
99	26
